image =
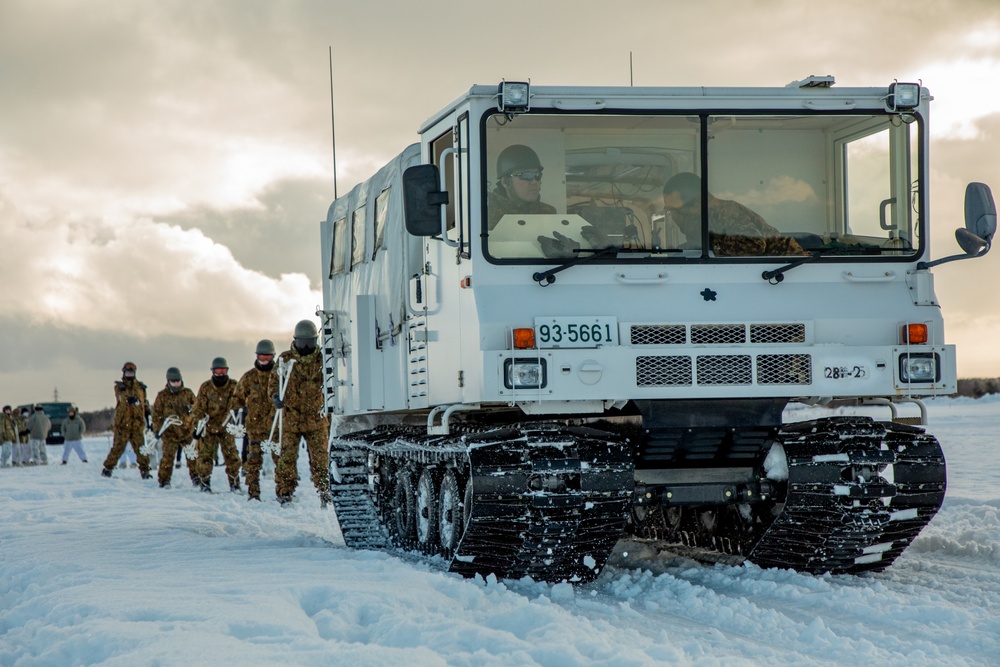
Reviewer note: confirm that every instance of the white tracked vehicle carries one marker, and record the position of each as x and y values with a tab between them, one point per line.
518	378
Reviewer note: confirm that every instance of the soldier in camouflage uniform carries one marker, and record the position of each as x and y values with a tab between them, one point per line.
519	185
213	401
303	416
8	436
733	229
178	401
252	397
22	453
130	421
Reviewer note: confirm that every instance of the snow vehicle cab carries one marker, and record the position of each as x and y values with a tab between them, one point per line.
525	362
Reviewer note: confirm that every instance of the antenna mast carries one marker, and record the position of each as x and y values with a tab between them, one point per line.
630	69
333	128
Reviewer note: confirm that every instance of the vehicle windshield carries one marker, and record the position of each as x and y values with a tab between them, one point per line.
777	186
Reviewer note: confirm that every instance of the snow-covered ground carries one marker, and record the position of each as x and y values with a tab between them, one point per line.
120	572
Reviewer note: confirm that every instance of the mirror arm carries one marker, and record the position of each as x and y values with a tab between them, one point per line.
922	266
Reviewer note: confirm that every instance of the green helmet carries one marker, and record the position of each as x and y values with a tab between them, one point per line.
515	158
174	374
305	329
219	362
265	347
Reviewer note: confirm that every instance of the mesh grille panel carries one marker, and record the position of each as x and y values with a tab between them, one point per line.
777	333
725	369
718	334
784	369
662	371
658	334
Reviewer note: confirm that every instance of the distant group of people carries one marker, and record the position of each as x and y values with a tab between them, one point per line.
23	435
283	391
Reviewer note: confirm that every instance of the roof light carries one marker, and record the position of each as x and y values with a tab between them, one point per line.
903	96
513	97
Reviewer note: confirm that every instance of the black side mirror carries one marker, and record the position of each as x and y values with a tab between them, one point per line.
980	211
422	200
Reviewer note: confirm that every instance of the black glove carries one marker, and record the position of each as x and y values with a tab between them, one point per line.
197	436
149	423
595	237
558	246
278	403
132	400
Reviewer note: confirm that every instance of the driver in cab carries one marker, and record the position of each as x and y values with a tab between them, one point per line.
519	185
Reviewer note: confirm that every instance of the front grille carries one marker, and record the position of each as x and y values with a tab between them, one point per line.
728	369
658	334
663	371
784	369
769	334
718	334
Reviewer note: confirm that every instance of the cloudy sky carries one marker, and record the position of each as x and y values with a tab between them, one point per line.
164	164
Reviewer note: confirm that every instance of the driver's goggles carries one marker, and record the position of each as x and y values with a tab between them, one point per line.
528	175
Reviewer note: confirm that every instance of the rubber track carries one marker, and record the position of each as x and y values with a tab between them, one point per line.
564	532
833	522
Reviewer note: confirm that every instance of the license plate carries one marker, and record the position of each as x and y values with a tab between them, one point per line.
845	372
576	331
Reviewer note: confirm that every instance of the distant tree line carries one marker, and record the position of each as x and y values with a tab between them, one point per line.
978	387
98	421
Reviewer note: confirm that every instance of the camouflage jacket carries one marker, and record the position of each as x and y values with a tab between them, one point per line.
131	406
304	393
252	394
21	424
500	204
214	402
734	230
8	428
178	403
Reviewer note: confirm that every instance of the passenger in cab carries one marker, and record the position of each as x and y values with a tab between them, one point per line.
733	229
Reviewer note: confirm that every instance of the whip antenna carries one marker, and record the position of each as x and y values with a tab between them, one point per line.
333	128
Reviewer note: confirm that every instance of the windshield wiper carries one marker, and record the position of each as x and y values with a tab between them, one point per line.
775	276
546	278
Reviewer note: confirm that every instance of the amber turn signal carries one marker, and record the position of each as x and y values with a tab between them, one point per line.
524	339
914	334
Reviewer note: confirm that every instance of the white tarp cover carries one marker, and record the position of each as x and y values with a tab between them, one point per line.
383	271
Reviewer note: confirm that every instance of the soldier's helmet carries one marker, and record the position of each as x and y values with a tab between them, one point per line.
174	374
305	331
686	184
515	158
265	347
219	362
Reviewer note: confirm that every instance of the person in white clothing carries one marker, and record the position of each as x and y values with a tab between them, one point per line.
73	429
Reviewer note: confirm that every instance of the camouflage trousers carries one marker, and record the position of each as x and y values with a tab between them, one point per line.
166	468
124	436
253	465
207	448
286	474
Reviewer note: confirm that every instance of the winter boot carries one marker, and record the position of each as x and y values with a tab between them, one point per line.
206	485
164	485
196	482
105	472
284	500
324	499
145	475
252	497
